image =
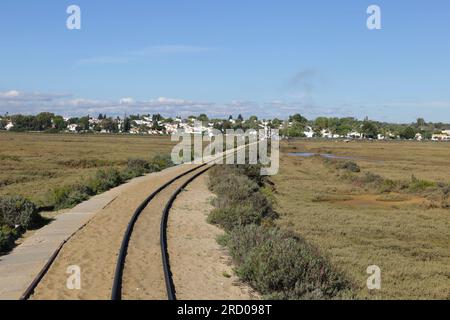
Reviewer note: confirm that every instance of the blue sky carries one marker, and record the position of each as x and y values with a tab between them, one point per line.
270	58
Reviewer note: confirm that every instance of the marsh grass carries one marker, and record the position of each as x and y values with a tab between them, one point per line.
33	164
410	243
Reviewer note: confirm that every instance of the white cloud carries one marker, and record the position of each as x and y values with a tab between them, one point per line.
125	57
14	101
9	94
32	103
14	95
126	101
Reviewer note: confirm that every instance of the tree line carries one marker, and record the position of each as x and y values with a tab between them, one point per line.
295	126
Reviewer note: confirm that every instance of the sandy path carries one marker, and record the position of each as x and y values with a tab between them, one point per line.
94	248
201	268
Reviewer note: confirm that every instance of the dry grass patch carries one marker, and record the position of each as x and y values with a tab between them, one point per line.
31	164
407	240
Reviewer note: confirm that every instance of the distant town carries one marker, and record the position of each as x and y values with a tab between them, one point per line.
296	126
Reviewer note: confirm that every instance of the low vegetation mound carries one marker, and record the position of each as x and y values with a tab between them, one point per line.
349	166
282	265
17	214
17	211
104	180
8	237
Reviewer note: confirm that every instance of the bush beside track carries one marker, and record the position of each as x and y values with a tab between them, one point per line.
277	263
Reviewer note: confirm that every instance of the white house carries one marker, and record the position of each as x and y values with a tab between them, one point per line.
386	136
134	130
9	126
309	132
354	135
440	137
143	122
72	127
327	134
171	128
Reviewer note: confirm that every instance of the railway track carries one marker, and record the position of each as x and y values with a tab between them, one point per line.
136	274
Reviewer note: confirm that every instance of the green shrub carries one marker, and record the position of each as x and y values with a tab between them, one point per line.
69	196
17	211
253	172
233	187
238	202
159	163
417	185
283	266
138	166
8	237
249	212
372	178
106	179
349	166
269	193
388	185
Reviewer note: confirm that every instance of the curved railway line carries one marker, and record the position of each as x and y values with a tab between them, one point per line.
154	213
142	270
120	285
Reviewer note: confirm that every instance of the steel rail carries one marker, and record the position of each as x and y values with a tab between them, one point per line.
170	287
116	292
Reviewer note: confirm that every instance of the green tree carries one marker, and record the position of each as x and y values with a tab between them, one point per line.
426	134
343	130
296	130
298	118
408	133
126	125
321	123
252	123
317	132
157	117
59	123
43	121
420	123
83	122
369	129
276	123
73	121
23	123
3	123
333	124
109	125
203	118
